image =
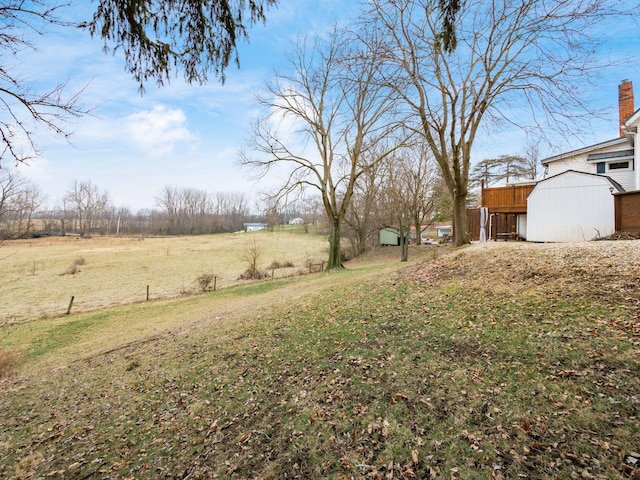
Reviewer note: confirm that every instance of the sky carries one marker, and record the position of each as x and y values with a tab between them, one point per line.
189	136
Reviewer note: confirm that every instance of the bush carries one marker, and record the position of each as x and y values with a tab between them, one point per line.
276	264
74	267
252	274
204	281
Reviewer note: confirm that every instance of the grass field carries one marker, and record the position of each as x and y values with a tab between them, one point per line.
503	362
37	279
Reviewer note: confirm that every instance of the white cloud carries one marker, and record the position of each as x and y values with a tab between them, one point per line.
157	132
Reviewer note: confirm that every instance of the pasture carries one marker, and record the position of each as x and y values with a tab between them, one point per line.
38	277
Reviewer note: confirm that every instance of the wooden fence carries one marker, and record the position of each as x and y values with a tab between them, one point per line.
501	226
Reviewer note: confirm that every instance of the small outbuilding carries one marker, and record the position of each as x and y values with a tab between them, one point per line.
571	207
389	236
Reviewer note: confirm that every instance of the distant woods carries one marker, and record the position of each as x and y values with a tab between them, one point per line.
86	210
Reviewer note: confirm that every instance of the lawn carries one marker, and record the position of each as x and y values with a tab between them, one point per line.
503	361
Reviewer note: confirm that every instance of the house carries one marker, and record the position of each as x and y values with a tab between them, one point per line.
443	231
296	221
506	212
618	158
588	192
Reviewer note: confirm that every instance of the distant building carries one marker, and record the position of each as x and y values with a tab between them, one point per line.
296	221
389	236
252	227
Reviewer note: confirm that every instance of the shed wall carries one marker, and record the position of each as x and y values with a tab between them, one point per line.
570	207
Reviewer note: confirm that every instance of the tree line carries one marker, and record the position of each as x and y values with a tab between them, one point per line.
86	210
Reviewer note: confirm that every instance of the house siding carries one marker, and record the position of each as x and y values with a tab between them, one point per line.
570	207
577	163
626	179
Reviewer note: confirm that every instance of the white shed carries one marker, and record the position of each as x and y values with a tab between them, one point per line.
571	207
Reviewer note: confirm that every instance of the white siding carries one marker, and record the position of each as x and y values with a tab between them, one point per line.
578	163
522	226
626	179
570	207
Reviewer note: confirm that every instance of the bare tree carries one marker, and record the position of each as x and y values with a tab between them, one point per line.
87	203
418	178
22	106
252	255
394	202
532	158
12	186
333	102
509	55
22	211
364	211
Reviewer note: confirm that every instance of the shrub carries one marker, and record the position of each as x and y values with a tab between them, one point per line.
204	281
252	274
276	264
74	267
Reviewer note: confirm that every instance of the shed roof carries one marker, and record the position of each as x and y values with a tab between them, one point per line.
613	183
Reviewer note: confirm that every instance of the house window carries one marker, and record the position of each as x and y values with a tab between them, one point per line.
618	166
600	167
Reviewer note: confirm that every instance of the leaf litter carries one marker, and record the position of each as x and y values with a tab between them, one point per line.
509	361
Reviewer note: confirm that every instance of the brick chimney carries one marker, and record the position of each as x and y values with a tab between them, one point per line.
625	102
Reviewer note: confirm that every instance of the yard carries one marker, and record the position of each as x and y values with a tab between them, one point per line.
503	360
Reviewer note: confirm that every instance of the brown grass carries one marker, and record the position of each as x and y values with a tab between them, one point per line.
490	364
38	277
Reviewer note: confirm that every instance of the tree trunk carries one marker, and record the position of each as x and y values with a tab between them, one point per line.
460	234
335	235
404	246
418	225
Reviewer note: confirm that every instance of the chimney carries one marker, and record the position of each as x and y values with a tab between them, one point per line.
625	102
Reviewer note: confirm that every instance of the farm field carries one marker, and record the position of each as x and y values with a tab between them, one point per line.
497	361
38	277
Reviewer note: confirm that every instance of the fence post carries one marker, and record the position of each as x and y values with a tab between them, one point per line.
215	280
70	305
147	292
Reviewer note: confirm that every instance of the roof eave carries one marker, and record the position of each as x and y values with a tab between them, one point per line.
590	148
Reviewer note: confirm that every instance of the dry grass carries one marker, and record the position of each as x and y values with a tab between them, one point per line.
493	362
38	277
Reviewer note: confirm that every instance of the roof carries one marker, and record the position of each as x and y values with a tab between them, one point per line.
613	183
590	148
635	116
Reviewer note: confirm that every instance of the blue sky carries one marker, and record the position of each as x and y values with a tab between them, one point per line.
189	136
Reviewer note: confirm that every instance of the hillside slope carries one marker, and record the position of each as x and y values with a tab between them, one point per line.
495	361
